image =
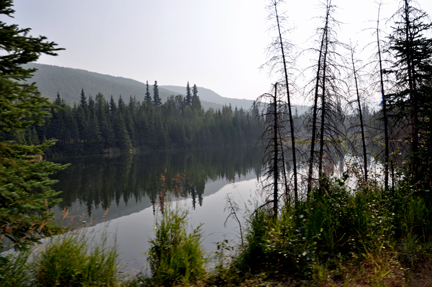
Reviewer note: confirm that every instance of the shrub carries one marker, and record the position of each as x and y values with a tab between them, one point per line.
176	257
68	260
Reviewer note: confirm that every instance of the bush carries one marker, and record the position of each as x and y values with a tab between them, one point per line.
176	257
69	261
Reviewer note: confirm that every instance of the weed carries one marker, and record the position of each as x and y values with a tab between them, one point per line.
175	256
68	260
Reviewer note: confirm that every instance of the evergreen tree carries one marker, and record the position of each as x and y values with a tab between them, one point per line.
196	103
156	99
25	187
147	97
412	49
122	137
113	106
188	99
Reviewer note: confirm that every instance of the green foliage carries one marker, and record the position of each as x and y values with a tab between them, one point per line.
25	193
68	260
100	126
176	257
14	270
339	224
411	44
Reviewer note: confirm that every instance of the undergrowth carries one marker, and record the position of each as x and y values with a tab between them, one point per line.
175	256
340	236
65	260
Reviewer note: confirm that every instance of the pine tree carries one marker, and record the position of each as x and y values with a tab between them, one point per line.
196	103
156	99
188	98
412	49
25	187
147	97
122	137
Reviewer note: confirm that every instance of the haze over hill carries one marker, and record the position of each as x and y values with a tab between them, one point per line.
68	82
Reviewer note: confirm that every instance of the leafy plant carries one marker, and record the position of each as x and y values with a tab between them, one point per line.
175	256
68	260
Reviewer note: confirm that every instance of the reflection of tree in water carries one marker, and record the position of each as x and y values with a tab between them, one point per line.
100	181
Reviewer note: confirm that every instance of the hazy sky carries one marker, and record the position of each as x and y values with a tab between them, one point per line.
217	44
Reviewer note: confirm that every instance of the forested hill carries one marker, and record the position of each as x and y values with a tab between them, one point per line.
68	82
51	80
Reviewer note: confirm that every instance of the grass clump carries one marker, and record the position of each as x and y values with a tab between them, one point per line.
68	260
14	270
175	256
65	260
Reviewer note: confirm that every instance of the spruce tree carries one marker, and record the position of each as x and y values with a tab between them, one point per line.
196	103
156	99
147	97
25	187
411	46
188	99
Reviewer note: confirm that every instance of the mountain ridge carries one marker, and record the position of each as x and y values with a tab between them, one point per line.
69	82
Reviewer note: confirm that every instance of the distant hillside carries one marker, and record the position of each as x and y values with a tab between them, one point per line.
51	80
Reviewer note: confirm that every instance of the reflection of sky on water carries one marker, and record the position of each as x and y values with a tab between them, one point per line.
133	231
129	224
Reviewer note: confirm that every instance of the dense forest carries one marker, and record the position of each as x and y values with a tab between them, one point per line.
98	125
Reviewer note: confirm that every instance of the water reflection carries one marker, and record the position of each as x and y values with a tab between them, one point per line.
106	187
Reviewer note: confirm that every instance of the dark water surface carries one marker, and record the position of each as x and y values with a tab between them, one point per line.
120	195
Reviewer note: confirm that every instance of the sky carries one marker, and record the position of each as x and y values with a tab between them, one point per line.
216	44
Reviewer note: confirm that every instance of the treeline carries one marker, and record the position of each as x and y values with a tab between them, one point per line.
98	125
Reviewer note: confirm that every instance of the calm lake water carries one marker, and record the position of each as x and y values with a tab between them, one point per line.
119	196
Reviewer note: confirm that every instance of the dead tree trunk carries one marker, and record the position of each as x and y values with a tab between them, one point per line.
276	153
384	105
289	103
323	107
361	118
315	106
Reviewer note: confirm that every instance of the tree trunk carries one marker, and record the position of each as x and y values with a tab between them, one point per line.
289	106
361	118
384	104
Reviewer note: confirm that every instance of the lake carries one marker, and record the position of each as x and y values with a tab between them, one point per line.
119	196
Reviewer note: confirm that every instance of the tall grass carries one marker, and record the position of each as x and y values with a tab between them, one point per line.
14	270
68	260
65	260
175	256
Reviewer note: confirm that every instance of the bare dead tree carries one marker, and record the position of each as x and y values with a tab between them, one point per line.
362	125
384	106
315	105
291	122
272	138
279	50
326	113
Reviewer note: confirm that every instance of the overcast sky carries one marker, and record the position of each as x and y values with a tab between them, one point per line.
217	44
